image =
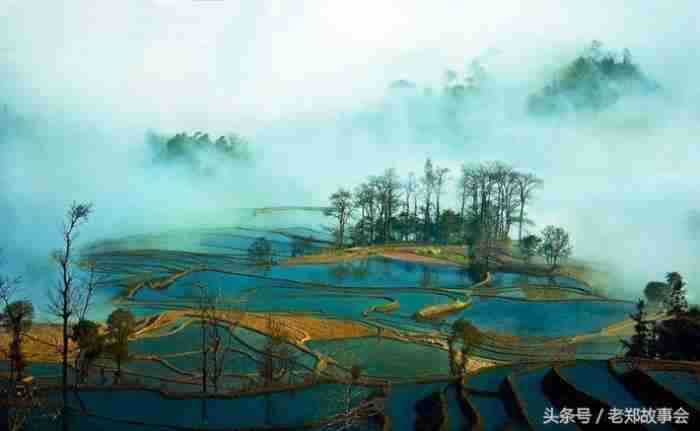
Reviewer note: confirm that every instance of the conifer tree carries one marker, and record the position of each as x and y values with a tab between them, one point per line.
641	345
677	303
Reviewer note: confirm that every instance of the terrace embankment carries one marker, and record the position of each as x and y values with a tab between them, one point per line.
445	255
438	310
42	343
298	327
159	283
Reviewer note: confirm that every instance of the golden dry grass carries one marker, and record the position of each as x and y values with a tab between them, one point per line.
298	327
443	255
41	344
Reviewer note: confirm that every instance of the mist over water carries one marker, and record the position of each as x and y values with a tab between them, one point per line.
82	84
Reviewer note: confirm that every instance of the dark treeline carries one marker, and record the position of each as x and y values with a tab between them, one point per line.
492	201
199	151
593	82
674	337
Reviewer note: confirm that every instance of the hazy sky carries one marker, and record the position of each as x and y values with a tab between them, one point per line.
306	80
216	63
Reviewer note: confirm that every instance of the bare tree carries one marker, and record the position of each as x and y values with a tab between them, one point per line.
411	191
428	189
276	354
351	405
341	209
86	333
464	185
440	179
365	201
525	184
388	187
65	298
215	349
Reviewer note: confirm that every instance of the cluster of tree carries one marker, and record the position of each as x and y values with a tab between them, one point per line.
88	341
675	338
594	81
435	110
198	149
554	244
492	199
70	301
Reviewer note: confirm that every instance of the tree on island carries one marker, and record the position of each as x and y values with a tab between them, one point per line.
120	326
529	246
492	197
556	245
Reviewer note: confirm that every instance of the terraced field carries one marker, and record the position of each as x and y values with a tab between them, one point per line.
369	330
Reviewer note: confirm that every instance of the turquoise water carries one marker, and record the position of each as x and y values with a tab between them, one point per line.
491	411
599	350
595	379
458	418
273	298
182	350
342	290
684	384
511	278
402	399
37	369
488	379
387	358
411	302
276	409
376	271
543	318
528	387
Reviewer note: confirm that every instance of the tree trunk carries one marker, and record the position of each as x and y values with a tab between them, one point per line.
204	357
522	211
64	368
